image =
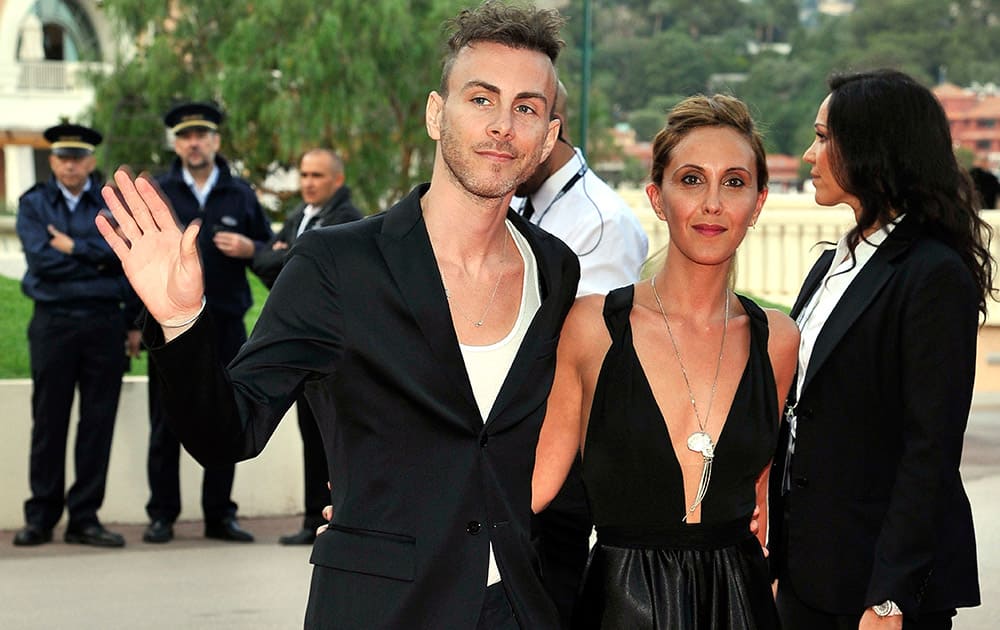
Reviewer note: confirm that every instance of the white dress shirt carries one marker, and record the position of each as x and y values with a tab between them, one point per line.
201	194
842	272
595	222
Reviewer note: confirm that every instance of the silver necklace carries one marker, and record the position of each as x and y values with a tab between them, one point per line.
699	441
482	318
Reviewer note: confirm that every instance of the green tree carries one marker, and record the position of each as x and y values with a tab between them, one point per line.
291	75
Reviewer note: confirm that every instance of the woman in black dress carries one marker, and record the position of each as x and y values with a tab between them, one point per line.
670	389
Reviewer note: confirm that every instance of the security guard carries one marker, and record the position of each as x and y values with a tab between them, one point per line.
77	338
200	185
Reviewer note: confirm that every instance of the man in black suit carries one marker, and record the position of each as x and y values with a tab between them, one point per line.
426	334
326	200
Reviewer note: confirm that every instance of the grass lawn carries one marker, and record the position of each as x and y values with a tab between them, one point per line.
15	313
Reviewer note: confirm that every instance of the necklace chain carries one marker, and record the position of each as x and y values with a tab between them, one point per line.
482	318
718	363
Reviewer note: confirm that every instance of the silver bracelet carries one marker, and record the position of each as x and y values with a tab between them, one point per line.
188	321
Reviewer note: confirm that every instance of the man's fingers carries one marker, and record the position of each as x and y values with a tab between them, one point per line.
116	204
134	201
118	244
189	245
154	200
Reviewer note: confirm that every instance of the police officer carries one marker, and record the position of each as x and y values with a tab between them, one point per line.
200	185
77	338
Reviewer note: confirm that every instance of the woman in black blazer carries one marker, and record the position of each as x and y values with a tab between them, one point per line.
871	524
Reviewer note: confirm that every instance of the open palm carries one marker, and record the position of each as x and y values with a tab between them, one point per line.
160	261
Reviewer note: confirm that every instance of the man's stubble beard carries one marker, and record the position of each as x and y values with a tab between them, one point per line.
463	170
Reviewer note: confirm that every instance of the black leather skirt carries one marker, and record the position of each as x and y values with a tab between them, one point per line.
704	577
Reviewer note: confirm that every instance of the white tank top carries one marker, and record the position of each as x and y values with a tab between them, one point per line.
488	366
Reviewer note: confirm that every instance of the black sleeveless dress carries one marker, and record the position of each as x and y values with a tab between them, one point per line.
648	569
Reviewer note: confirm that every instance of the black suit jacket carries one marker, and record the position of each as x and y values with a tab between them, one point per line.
358	319
877	509
338	209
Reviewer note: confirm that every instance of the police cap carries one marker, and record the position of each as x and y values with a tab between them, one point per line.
194	115
69	140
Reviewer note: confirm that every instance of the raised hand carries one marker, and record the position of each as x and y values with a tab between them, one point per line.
160	261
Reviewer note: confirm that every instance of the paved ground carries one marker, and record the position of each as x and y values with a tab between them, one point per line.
191	583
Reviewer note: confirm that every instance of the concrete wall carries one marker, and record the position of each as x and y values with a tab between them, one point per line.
270	484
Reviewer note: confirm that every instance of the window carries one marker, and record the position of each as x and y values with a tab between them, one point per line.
57	30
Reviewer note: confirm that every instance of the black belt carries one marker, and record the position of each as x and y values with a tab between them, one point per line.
697	536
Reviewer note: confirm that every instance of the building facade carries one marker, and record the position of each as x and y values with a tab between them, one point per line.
974	117
47	47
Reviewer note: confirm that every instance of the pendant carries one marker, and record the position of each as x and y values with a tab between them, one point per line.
700	442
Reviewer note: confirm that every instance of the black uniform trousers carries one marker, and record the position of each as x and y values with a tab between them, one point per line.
317	495
163	462
70	348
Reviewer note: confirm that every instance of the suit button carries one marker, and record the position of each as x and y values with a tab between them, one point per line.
473	527
484	439
801	482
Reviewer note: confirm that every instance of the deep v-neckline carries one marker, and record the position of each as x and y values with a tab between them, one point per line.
744	381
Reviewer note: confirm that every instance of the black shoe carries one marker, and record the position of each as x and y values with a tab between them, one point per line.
227	529
94	535
304	536
30	536
159	531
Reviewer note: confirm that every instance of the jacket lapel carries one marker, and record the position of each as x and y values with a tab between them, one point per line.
407	251
859	296
812	281
325	214
543	328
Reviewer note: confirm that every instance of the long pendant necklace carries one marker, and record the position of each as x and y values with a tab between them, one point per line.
482	318
699	441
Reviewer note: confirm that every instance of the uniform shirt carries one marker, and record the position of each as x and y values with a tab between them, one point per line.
595	222
201	194
71	199
90	280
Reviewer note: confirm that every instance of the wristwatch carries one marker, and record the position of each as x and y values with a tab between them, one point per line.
888	608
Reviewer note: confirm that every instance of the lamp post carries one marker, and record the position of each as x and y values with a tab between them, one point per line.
585	77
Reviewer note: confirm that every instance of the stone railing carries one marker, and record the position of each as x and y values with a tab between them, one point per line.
56	75
776	255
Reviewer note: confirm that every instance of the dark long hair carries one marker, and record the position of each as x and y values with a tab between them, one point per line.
891	148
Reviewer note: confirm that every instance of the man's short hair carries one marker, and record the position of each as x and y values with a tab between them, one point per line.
515	26
336	163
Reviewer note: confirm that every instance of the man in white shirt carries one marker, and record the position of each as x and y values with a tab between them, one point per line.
566	198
